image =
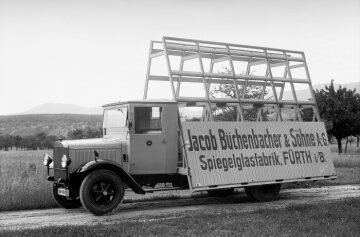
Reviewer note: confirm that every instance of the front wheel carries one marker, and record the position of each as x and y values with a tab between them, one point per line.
68	203
101	192
263	193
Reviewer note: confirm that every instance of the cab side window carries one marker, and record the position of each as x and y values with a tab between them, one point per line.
148	120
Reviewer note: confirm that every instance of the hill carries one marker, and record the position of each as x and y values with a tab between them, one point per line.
51	124
58	108
59	119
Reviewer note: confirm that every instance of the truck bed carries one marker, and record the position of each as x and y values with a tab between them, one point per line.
235	154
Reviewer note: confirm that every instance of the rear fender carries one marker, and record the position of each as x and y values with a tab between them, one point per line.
109	165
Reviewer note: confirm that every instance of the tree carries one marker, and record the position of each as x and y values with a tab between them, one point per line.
228	91
93	132
29	142
40	139
17	141
357	125
88	132
349	140
49	141
8	142
2	143
76	133
340	108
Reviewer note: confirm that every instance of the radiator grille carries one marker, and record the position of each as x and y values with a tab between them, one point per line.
59	172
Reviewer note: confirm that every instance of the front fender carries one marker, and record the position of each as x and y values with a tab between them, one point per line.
113	166
89	166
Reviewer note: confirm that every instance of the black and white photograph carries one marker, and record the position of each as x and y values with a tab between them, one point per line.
179	118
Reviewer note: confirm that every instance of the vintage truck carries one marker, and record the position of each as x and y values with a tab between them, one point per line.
232	116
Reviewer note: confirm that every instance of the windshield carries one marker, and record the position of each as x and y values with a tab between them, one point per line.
115	121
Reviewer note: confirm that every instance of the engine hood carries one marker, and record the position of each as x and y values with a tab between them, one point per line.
96	143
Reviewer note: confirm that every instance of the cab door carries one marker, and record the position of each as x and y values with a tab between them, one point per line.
148	139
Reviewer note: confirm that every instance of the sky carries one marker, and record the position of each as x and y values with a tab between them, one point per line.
91	53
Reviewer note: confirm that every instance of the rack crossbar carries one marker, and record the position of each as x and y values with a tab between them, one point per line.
246	74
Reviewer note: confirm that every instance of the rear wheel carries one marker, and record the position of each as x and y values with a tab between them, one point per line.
101	192
221	192
68	203
263	193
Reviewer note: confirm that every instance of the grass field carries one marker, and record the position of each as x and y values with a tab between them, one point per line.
347	167
23	179
340	218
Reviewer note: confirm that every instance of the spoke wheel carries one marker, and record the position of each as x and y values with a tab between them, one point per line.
68	203
263	193
101	192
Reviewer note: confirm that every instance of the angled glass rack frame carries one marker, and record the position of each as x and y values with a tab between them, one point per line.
213	81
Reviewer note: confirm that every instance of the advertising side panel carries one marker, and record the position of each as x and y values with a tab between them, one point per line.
223	153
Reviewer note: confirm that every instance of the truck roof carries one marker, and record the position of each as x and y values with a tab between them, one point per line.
152	101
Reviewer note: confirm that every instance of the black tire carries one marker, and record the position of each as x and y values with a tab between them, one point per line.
65	202
263	193
221	192
101	192
248	194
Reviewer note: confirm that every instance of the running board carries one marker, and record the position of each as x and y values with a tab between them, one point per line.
151	190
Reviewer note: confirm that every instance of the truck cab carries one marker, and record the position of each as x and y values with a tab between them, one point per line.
150	132
139	149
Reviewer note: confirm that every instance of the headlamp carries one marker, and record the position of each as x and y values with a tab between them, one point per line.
47	159
65	161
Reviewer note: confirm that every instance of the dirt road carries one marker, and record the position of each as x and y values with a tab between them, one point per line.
172	208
